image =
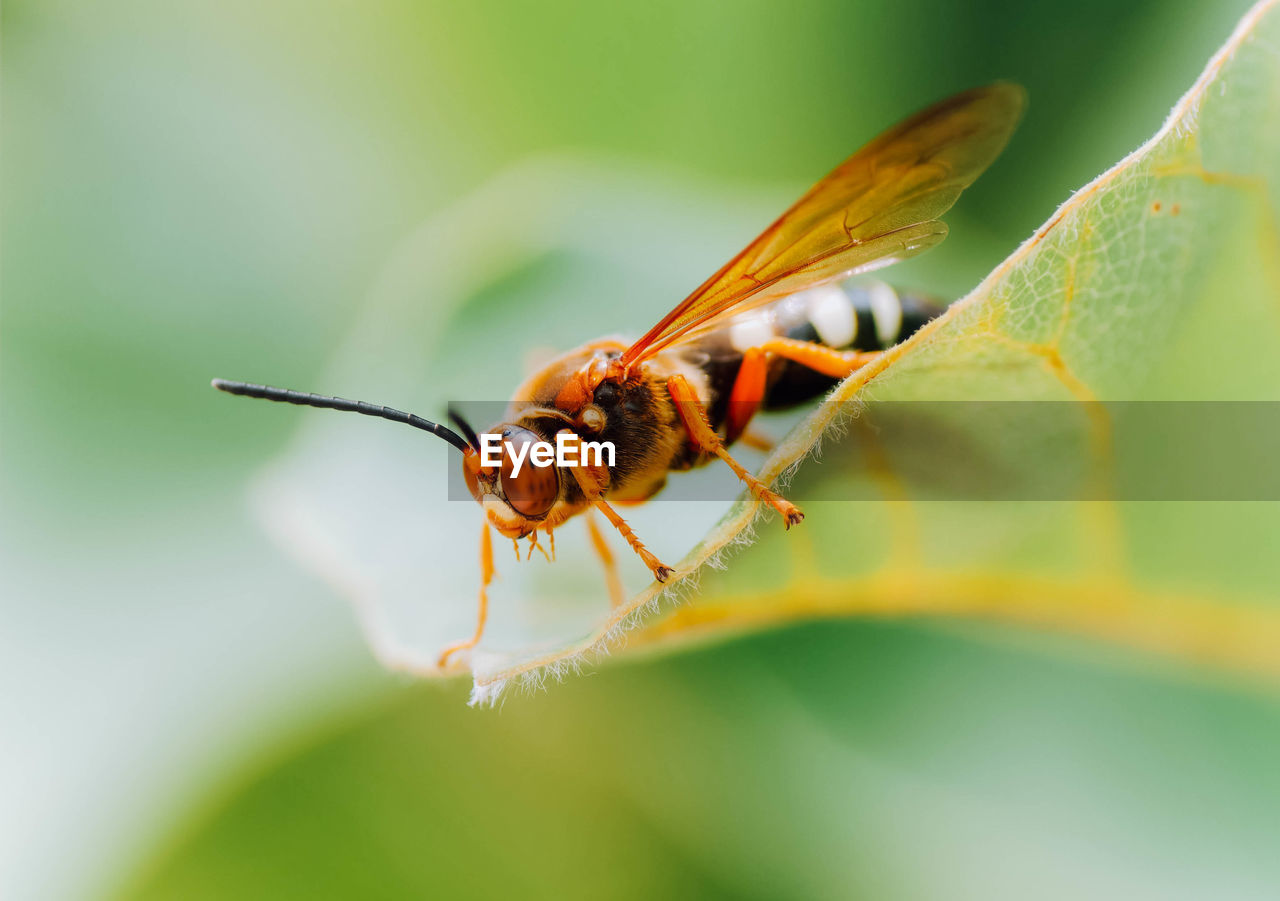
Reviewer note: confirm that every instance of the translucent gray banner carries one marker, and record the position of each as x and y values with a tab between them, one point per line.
1007	451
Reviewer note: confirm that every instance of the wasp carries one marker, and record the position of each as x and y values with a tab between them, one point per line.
770	329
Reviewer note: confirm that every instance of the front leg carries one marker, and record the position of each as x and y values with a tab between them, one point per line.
486	576
705	439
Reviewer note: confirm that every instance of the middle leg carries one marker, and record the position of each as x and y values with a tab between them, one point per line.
601	546
590	480
705	439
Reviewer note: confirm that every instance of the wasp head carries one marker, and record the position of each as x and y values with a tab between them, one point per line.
515	493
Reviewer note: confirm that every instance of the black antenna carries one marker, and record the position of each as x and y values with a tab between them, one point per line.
464	427
285	395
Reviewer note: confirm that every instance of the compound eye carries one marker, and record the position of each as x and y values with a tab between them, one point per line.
534	490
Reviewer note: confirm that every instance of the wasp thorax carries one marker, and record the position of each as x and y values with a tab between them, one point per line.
592	418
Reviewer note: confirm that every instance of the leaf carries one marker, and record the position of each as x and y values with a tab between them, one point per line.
1157	281
859	760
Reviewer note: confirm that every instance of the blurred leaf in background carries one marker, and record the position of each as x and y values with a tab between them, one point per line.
836	761
203	189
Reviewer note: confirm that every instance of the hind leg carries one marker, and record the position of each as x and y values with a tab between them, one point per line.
838	364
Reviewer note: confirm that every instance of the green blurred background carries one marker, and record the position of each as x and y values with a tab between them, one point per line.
195	189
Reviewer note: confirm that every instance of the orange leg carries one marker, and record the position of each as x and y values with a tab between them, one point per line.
533	543
706	440
747	393
590	485
486	576
661	572
835	363
611	578
757	440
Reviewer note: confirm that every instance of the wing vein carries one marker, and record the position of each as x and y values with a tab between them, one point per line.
879	206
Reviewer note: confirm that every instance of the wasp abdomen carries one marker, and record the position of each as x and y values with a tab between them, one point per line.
869	316
865	316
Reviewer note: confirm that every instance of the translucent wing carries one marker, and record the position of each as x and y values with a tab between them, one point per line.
879	206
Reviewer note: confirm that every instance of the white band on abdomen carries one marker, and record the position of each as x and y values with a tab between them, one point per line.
886	310
832	315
